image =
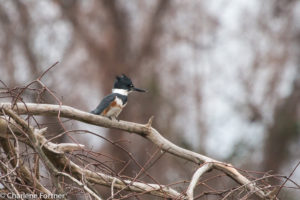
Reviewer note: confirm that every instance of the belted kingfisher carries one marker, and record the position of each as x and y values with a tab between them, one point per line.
112	105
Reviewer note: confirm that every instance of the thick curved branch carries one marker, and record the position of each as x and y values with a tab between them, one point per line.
199	172
142	130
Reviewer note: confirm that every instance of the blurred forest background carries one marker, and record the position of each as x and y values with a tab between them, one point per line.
223	77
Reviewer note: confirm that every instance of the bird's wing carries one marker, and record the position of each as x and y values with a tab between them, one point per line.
104	104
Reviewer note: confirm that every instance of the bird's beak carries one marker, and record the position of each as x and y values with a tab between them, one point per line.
138	90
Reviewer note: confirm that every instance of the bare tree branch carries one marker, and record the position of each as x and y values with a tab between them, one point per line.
34	141
81	184
22	171
199	172
55	154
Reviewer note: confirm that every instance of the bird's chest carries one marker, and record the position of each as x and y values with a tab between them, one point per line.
115	107
119	102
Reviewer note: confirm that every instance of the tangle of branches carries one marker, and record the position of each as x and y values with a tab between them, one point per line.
32	165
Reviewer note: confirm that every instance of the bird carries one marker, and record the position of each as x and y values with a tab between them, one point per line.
112	104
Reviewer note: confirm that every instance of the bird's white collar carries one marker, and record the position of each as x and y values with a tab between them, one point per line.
120	91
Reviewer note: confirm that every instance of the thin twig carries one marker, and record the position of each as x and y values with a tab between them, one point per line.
287	178
87	189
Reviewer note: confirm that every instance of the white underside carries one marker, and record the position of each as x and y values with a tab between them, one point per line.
115	111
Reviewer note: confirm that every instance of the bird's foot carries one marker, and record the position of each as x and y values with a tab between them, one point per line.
114	118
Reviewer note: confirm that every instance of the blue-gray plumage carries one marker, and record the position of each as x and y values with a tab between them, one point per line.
112	104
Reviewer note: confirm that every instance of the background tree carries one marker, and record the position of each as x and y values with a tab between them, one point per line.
223	78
